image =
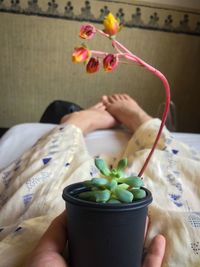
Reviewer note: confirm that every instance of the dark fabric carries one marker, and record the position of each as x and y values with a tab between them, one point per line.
57	109
2	131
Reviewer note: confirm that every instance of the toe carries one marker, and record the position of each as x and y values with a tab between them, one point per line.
122	97
99	106
125	96
114	98
117	96
105	99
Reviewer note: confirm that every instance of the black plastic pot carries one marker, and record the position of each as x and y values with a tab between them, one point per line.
104	235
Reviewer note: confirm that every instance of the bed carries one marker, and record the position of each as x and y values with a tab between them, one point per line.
35	189
21	137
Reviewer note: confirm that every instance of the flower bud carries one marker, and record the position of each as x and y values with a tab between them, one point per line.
93	65
87	31
111	24
80	54
110	62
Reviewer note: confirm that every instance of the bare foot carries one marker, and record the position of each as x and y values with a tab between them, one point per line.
125	110
91	119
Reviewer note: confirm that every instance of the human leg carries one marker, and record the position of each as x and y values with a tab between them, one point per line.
93	118
125	110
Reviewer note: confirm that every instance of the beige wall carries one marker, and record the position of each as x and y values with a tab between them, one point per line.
36	68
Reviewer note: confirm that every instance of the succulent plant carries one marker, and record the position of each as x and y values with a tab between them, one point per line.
114	187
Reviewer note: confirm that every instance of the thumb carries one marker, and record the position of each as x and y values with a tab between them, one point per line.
155	253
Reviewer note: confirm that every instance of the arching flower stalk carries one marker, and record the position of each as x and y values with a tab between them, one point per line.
94	58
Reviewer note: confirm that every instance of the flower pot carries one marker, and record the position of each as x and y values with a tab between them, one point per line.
104	235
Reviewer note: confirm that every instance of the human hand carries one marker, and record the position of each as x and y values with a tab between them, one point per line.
48	252
155	252
52	244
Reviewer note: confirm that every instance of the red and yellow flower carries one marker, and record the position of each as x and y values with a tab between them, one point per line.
111	25
80	54
110	62
87	31
92	65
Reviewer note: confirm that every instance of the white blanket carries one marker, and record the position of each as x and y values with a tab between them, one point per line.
21	137
31	190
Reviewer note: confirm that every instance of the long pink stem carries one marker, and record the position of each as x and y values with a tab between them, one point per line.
164	117
157	73
103	54
98	53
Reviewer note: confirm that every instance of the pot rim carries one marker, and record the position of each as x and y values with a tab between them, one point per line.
70	192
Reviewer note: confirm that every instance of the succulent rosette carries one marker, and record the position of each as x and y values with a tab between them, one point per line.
115	187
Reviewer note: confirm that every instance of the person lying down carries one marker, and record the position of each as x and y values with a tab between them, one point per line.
31	188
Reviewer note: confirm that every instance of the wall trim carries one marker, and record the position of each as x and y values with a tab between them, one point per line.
157	19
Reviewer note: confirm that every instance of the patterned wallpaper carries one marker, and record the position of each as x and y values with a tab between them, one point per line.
161	18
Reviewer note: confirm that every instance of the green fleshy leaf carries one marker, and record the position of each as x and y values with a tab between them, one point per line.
102	166
102	195
96	196
122	164
124	195
123	186
99	182
138	193
88	195
114	172
87	183
132	181
112	185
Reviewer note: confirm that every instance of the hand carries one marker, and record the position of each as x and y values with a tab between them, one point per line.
52	244
155	252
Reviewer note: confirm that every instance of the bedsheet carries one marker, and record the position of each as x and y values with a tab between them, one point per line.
21	137
31	190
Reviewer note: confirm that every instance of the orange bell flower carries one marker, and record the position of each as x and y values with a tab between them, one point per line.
92	65
110	62
87	31
111	25
80	54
